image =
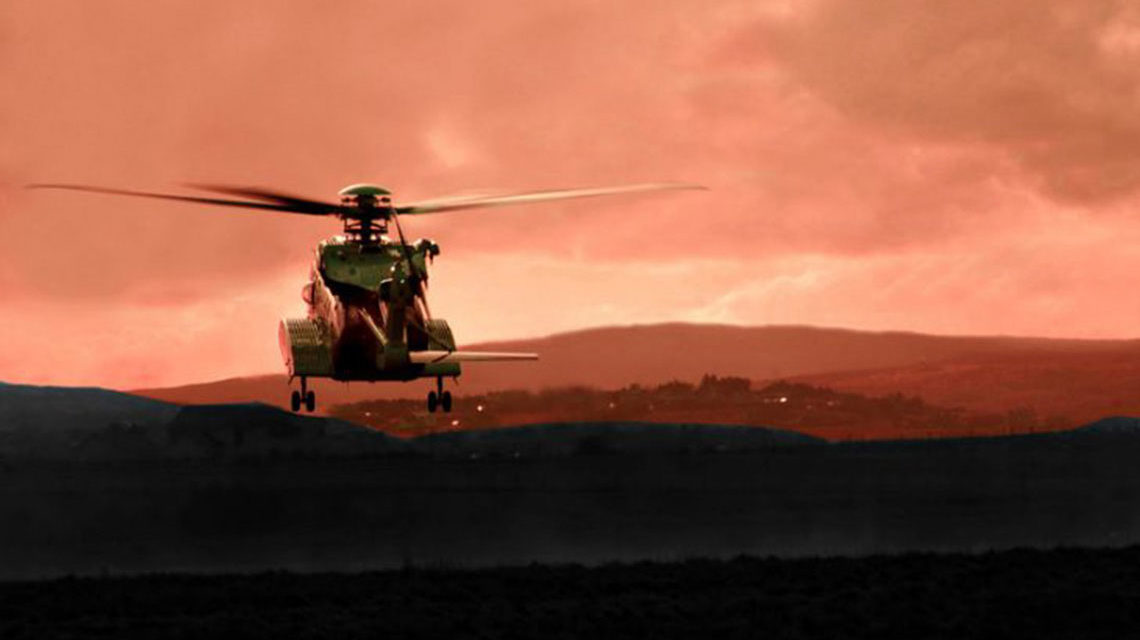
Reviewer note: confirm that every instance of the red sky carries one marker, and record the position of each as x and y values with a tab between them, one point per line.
941	167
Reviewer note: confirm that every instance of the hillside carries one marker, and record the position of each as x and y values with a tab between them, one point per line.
288	496
1075	386
24	406
87	424
251	487
718	415
615	357
95	425
808	409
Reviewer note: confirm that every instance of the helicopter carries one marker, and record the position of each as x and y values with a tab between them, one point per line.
368	316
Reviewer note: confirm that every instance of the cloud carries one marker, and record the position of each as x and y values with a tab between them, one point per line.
1071	279
1055	87
907	165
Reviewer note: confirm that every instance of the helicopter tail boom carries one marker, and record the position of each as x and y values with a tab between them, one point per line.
429	357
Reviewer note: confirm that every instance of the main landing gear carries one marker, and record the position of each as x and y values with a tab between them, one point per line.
439	397
304	396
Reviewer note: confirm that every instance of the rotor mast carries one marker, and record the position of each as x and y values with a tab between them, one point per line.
366	210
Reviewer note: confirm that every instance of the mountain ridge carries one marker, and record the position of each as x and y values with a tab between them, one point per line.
615	357
127	428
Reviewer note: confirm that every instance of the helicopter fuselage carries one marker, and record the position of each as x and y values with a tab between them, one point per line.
365	318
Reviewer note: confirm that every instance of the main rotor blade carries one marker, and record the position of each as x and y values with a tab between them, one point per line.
458	198
436	206
167	196
297	203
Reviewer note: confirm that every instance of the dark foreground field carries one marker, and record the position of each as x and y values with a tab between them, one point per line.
588	494
93	482
1065	593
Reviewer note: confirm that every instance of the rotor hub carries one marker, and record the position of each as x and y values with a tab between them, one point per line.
368	209
361	189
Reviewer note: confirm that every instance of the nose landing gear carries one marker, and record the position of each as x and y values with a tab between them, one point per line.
439	398
303	397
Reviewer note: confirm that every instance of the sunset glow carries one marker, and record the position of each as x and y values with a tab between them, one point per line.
954	168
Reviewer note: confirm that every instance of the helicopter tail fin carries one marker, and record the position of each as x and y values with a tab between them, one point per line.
428	357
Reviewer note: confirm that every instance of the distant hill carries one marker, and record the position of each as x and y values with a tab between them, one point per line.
80	425
803	408
98	425
248	487
38	420
245	488
609	438
1078	385
1115	426
75	407
615	357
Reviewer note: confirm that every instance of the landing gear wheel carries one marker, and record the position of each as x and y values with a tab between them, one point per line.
433	401
310	401
295	401
445	401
